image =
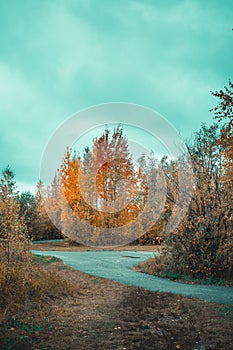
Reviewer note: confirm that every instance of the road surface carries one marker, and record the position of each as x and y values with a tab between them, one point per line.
117	266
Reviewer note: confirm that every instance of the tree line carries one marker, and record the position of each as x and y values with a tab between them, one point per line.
89	189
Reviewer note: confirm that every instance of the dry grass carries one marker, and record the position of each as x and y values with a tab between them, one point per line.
159	266
23	283
103	314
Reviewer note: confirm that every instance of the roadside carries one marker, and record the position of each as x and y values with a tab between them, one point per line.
64	246
150	267
103	314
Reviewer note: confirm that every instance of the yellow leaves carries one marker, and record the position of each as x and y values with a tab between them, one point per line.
104	207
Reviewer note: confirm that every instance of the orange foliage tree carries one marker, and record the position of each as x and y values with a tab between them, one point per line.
103	188
224	112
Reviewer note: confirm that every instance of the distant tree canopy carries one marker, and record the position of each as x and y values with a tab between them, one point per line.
39	224
23	214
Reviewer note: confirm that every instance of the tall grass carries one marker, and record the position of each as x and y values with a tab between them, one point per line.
24	282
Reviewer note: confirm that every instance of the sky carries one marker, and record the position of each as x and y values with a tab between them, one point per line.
58	57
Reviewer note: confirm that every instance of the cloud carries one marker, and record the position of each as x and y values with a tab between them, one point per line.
27	120
26	186
60	57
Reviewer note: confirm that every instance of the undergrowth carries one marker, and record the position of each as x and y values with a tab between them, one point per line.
158	266
27	283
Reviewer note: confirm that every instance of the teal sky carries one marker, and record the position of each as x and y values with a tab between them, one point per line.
60	56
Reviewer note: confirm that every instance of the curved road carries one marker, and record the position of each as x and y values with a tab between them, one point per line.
117	266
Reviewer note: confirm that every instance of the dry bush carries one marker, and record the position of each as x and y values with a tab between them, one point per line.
201	246
25	282
21	280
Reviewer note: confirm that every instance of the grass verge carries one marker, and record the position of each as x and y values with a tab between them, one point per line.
156	267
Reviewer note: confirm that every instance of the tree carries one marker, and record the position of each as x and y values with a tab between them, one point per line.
202	245
13	232
27	209
104	188
149	168
7	183
41	226
224	112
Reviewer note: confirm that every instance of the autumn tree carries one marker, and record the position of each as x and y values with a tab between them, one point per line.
102	188
22	281
201	246
224	112
13	232
150	167
115	178
40	225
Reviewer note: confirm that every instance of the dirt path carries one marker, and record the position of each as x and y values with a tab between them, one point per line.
110	315
102	314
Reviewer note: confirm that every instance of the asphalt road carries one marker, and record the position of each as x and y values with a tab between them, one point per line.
117	266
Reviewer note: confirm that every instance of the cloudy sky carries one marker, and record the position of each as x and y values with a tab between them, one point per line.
58	57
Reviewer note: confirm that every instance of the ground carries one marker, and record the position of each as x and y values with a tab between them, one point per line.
64	246
103	314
